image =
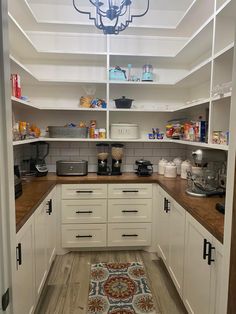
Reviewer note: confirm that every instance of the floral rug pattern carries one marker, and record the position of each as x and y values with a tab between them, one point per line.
119	288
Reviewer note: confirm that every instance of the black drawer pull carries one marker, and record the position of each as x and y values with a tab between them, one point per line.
205	243
129	235
84	236
166	205
84	192
130	211
130	191
210	259
49	209
19	254
84	212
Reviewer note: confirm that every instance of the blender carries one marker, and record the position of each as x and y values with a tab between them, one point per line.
147	75
117	152
103	151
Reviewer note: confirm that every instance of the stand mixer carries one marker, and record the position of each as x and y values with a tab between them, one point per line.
203	181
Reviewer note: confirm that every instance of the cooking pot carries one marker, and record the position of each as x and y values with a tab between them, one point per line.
123	102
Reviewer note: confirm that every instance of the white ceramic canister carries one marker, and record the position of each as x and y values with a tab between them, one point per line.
170	170
178	162
185	167
161	166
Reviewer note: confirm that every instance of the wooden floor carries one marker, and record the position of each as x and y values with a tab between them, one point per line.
66	289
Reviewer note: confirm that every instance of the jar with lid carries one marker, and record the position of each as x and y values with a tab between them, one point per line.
185	168
161	166
178	162
170	170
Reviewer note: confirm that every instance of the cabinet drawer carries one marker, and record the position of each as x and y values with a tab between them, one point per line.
130	190
84	191
130	210
137	234
79	235
84	211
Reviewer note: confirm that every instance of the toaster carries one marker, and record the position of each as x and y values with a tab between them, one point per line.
72	168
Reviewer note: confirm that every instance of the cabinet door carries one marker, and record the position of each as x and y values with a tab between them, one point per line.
40	247
51	222
163	227
24	296
197	272
176	245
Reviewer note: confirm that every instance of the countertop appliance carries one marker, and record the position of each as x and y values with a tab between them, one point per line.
38	164
72	168
143	168
17	182
147	75
205	182
117	152
102	154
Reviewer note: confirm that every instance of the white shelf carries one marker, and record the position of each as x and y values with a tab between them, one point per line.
28	141
140	110
141	140
22	103
194	104
222	96
224	50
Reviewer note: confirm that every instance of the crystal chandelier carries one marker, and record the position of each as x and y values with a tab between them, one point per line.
112	16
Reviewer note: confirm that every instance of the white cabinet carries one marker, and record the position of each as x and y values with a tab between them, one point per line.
101	215
170	233
176	244
35	247
24	282
40	239
201	269
45	240
84	215
51	223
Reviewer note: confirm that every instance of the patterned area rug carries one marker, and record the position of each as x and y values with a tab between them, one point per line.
119	288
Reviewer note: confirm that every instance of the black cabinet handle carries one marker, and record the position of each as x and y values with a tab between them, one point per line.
84	236
130	211
166	205
130	191
84	212
19	254
205	243
129	235
210	249
49	209
84	192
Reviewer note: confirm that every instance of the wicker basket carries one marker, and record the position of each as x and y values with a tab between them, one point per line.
66	132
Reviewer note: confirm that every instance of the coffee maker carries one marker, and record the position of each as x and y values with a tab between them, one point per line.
117	155
103	150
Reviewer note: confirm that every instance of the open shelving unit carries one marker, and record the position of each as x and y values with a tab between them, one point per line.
58	67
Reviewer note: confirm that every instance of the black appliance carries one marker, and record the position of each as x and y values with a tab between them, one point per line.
17	182
143	168
37	163
117	155
102	155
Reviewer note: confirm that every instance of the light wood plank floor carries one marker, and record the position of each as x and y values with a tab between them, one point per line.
66	289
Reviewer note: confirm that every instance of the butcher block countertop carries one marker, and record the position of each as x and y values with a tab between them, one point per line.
202	209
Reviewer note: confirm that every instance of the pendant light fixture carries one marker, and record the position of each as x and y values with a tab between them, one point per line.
111	16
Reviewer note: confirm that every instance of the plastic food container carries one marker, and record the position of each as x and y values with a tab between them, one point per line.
67	132
123	102
161	166
178	162
124	131
170	170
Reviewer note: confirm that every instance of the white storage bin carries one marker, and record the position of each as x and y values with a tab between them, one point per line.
124	131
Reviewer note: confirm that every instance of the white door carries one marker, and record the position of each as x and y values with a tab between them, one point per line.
197	272
40	243
163	226
7	217
176	253
51	227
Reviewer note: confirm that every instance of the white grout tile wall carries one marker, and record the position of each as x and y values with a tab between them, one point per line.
87	151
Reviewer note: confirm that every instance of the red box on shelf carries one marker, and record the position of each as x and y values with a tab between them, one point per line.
15	84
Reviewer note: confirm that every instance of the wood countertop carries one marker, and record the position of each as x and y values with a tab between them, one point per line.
34	193
202	209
